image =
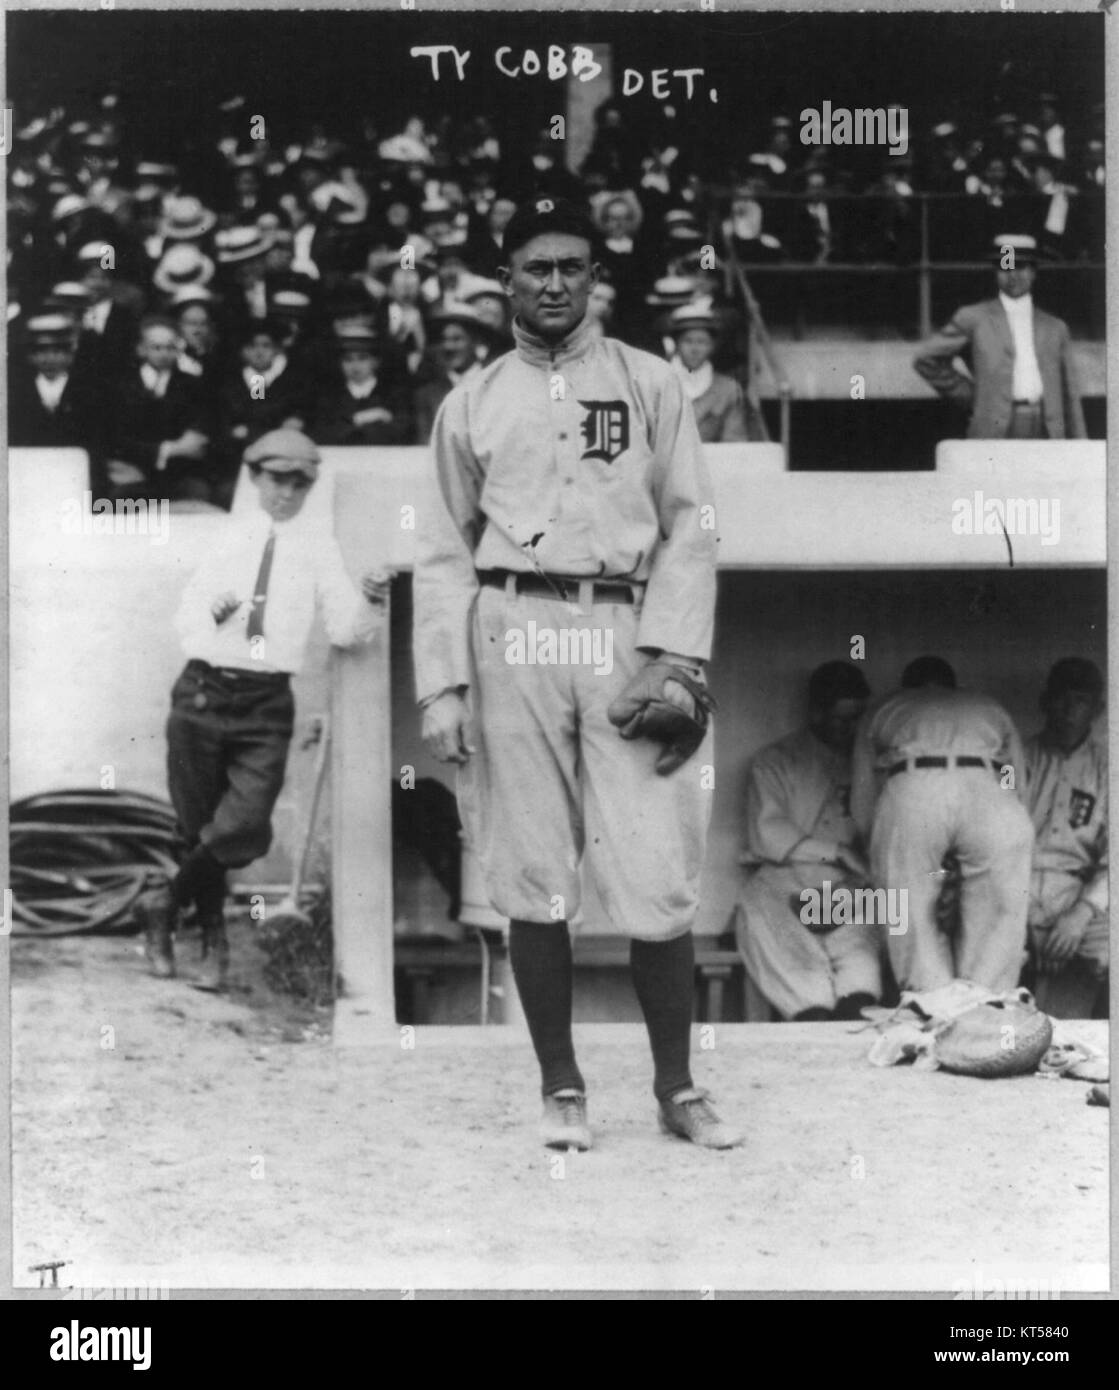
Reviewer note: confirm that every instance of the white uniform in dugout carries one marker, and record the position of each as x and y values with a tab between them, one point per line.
1067	798
916	800
798	789
581	462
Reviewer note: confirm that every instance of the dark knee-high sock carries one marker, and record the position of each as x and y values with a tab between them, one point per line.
201	880
540	954
664	978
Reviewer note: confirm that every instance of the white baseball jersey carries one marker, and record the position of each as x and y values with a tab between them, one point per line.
583	460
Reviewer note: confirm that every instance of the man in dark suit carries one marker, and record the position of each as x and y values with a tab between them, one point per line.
460	336
50	405
359	406
109	323
161	430
1023	382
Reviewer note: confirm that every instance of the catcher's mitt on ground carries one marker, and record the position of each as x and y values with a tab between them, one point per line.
643	710
965	1029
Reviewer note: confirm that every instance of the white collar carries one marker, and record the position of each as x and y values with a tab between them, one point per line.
697	382
1021	307
153	380
250	374
50	390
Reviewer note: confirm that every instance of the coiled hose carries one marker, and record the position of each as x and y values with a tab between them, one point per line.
81	860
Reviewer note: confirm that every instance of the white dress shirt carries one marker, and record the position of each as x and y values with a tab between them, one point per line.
251	376
50	390
1027	374
97	316
156	382
307	572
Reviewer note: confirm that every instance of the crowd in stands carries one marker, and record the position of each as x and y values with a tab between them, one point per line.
165	312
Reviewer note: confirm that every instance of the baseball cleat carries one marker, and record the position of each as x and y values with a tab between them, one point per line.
690	1115
564	1125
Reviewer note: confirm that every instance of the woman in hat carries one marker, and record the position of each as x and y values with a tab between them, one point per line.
626	256
721	410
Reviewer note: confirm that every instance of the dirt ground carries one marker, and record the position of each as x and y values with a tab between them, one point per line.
163	1136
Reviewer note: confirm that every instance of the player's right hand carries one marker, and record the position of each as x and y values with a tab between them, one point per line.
224	606
444	728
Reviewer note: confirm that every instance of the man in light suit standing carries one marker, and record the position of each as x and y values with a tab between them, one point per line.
1023	382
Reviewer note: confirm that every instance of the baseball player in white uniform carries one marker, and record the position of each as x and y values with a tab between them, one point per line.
1066	793
938	771
572	544
799	833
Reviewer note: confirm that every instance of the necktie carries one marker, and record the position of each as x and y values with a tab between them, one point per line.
260	590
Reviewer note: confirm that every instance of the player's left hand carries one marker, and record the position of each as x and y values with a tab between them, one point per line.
1062	941
375	585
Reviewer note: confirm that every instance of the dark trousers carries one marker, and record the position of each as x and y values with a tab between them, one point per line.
1027	422
227	746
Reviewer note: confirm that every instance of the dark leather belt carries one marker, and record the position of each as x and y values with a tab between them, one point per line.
907	764
236	675
560	586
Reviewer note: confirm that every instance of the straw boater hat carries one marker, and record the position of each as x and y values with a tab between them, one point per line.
181	266
1024	248
49	328
92	251
69	205
193	294
70	296
355	333
237	244
186	219
671	289
697	314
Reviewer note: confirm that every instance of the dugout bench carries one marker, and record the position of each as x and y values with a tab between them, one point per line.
422	965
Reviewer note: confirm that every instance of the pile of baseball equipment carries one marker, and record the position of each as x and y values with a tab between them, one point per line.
966	1029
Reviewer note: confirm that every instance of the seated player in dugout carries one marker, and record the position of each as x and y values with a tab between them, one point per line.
1066	795
940	771
244	620
799	833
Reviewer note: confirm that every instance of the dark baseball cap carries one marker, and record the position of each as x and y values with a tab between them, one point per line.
1075	673
835	681
545	214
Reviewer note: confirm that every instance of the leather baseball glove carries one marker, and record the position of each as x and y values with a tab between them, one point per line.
642	710
965	1029
1003	1037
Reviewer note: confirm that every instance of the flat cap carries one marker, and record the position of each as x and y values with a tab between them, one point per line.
284	451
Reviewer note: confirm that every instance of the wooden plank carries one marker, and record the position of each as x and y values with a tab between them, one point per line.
361	811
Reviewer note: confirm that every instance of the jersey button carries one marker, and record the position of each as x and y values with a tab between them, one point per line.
563	436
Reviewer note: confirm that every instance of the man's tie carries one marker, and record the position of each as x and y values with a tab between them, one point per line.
260	591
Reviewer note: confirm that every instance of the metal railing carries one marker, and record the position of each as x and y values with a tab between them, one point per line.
922	263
